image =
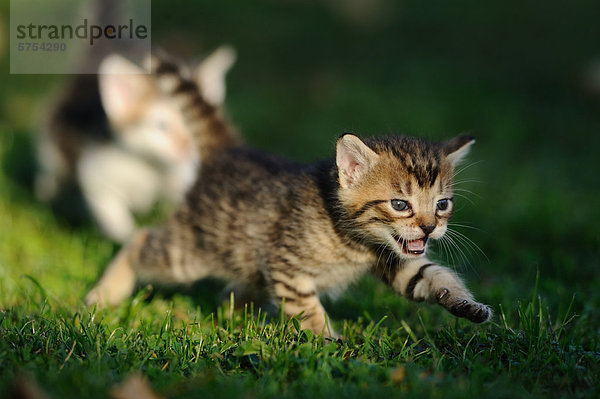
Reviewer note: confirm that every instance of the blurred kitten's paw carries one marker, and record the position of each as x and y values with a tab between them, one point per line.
102	295
464	307
95	297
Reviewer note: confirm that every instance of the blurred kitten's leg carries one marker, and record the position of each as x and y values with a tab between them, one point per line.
114	183
112	215
422	280
298	295
119	278
151	256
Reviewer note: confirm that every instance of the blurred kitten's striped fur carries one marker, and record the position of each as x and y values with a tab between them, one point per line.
297	231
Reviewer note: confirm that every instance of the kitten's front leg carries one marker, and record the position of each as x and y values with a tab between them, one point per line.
112	214
298	295
423	280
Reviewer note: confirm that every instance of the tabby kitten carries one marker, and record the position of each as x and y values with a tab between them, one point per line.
123	141
301	231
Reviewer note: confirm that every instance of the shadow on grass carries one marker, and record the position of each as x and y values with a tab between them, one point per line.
208	294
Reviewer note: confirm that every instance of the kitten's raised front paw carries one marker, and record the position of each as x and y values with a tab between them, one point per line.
462	307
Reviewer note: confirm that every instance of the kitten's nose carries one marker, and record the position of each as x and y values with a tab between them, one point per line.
427	228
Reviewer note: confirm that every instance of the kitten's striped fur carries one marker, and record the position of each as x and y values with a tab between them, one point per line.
297	231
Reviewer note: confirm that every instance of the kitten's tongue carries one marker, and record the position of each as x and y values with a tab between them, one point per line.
415	245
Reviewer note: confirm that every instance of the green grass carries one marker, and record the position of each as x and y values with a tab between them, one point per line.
510	73
186	352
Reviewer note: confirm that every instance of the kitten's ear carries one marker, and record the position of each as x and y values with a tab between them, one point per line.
353	158
210	74
123	86
457	148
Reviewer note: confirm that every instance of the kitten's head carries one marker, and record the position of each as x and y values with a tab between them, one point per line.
397	191
149	122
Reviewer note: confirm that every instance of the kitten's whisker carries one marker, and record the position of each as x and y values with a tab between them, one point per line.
464	190
458	237
466	226
470	243
467	166
465	197
446	248
463	181
387	261
454	241
455	249
443	249
380	252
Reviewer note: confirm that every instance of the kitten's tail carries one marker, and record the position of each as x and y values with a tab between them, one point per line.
210	129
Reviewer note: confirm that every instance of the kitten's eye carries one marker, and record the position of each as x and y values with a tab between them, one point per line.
400	205
443	204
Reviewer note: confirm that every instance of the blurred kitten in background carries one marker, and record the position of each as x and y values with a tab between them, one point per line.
123	141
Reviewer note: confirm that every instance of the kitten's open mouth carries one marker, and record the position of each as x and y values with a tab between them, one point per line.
412	247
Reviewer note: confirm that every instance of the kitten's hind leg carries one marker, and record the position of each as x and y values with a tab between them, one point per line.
299	296
151	256
119	278
422	280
